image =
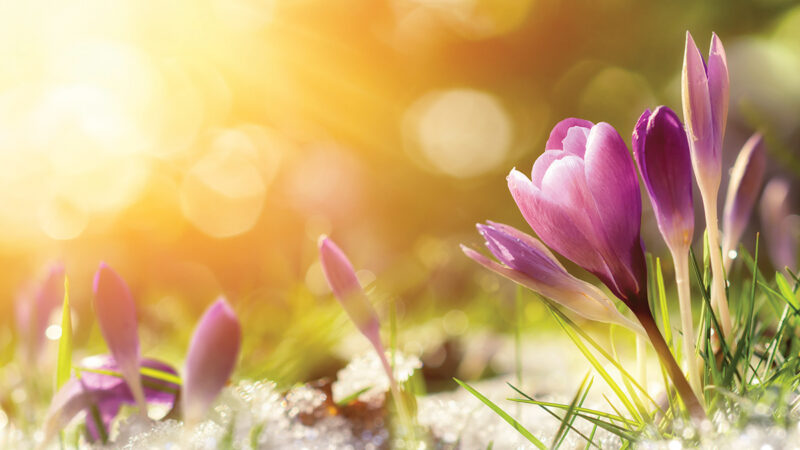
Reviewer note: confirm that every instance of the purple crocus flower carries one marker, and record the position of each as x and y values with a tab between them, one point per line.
33	308
211	360
116	317
705	111
743	189
705	91
101	395
341	277
780	228
526	261
583	201
661	151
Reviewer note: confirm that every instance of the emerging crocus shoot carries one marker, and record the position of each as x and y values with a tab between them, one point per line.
705	110
583	201
116	316
744	186
211	359
341	277
661	151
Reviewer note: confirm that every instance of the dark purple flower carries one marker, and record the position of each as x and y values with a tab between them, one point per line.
211	360
116	317
104	394
526	261
743	189
583	201
661	151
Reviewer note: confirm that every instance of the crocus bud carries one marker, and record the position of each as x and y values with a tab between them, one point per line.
779	227
526	261
743	189
33	308
705	90
583	201
116	317
211	359
345	286
661	151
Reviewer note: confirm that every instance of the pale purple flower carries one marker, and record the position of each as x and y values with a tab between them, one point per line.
105	394
583	201
705	91
343	282
33	308
661	151
526	261
116	317
211	360
779	227
744	186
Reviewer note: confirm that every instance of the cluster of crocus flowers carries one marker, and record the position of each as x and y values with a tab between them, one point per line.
583	201
103	383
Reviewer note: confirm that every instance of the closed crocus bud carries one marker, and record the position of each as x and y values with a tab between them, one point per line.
116	317
212	357
583	201
705	90
743	189
661	151
33	308
345	286
779	227
526	261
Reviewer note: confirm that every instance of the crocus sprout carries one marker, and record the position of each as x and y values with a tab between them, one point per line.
343	282
211	360
779	227
116	317
744	186
526	261
705	90
661	151
33	308
583	201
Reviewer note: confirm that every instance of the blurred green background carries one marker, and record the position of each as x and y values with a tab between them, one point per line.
200	148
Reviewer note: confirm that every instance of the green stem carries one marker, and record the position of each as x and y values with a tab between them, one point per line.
673	369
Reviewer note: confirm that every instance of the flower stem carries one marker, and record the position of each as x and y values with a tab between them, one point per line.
681	262
668	361
719	300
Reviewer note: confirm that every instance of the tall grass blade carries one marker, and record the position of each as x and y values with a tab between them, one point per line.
64	367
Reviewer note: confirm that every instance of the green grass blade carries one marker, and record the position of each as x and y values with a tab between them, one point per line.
349	399
566	421
662	301
503	415
786	292
64	368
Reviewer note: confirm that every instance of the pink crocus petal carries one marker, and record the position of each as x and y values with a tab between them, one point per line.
744	186
543	163
778	226
559	132
105	392
698	115
341	277
718	90
565	229
661	151
116	317
211	359
611	178
541	272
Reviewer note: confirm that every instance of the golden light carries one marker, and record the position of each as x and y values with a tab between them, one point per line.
460	132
